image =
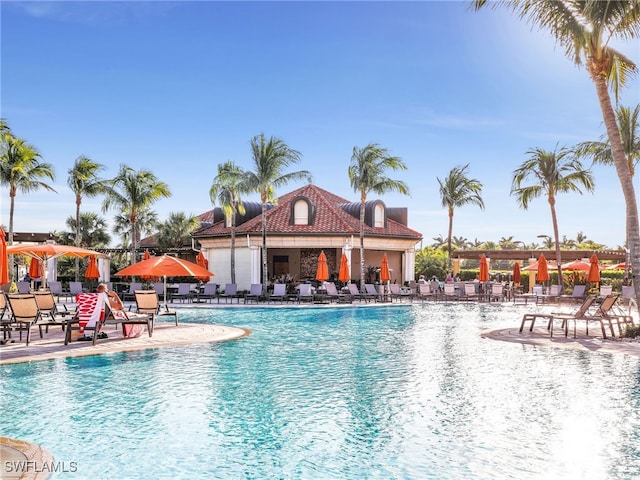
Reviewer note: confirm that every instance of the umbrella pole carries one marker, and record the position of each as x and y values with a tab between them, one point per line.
165	292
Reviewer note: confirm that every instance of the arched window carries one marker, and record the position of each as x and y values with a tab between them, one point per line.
227	221
378	216
301	213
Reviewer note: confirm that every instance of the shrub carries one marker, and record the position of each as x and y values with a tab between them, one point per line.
632	331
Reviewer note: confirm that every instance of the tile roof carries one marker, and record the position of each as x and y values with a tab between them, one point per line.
330	218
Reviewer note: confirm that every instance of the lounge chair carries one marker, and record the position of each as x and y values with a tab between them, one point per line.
75	288
398	293
470	292
49	312
148	303
605	290
24	287
357	294
158	287
373	294
497	292
334	295
279	293
579	314
130	295
449	292
5	317
305	294
230	292
25	313
132	322
183	294
89	316
255	293
56	289
577	295
209	292
424	292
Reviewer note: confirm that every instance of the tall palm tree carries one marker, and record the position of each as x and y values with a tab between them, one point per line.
600	152
133	191
226	191
147	224
83	181
550	173
585	29
177	229
457	190
93	231
270	158
368	173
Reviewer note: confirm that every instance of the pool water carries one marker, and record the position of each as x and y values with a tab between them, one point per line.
405	392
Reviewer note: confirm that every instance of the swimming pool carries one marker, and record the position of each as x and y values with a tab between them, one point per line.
348	393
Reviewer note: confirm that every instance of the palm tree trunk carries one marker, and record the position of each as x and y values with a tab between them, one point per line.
556	237
264	243
12	196
233	248
622	168
134	234
77	238
450	267
363	199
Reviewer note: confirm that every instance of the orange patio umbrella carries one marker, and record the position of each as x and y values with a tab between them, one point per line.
483	275
385	274
516	273
204	263
577	265
92	271
47	251
543	270
4	259
165	266
594	270
35	269
618	266
322	272
148	278
343	274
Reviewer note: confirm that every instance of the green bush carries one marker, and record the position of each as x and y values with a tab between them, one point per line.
632	331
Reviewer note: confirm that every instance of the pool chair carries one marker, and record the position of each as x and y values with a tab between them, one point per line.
279	293
88	318
334	295
129	296
208	293
24	287
373	294
255	293
230	292
356	294
183	294
50	313
25	313
425	293
75	288
605	290
497	292
148	303
449	292
565	317
577	295
56	289
398	293
305	294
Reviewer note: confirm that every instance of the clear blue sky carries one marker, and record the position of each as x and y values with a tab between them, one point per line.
177	87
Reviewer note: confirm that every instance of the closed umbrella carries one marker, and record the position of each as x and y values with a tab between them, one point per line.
202	261
543	270
385	274
516	273
4	259
483	275
35	269
92	269
322	272
594	270
165	266
344	275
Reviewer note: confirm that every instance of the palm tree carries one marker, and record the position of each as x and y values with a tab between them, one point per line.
93	231
549	174
270	158
586	29
84	182
147	224
132	191
226	191
177	230
600	152
367	173
457	190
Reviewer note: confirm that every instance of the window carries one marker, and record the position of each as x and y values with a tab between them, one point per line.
301	213
378	216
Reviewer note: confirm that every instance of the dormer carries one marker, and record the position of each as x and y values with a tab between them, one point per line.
302	211
375	212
